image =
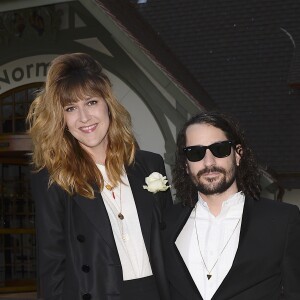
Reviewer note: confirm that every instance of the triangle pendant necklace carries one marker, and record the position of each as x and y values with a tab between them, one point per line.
208	275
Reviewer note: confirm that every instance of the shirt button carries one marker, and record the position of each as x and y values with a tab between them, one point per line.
125	237
85	268
87	296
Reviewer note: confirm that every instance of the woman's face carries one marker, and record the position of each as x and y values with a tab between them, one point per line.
88	121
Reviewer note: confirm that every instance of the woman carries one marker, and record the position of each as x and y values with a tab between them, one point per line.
97	226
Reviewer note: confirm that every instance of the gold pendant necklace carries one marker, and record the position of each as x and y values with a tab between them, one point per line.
209	275
111	189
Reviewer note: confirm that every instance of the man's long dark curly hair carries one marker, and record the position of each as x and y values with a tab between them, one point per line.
248	174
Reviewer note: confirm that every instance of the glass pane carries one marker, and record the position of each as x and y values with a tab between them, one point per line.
32	94
20	125
7	112
7	99
20	96
7	118
20	110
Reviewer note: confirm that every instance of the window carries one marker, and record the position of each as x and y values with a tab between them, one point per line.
14	107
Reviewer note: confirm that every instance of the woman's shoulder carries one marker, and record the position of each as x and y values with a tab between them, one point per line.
148	162
148	158
39	175
43	191
143	154
40	180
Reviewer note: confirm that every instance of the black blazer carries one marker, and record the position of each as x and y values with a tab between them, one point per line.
268	255
76	252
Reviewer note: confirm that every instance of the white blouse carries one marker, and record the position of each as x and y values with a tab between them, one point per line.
127	232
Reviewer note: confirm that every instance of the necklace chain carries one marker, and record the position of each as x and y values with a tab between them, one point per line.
119	208
111	189
121	218
209	271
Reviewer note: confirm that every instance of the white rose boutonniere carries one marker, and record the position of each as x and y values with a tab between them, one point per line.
156	183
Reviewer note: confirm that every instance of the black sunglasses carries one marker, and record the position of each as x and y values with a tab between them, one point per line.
220	150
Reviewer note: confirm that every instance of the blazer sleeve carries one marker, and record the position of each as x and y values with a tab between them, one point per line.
291	261
50	236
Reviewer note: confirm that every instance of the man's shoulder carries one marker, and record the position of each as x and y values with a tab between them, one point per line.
176	211
276	204
275	207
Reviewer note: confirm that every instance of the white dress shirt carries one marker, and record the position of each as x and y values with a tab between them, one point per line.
127	232
218	239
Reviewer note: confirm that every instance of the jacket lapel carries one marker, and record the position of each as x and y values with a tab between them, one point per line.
240	254
180	275
96	212
143	199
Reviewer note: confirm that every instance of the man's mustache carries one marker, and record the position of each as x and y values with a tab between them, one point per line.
211	169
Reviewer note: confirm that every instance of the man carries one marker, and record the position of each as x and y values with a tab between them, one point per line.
223	241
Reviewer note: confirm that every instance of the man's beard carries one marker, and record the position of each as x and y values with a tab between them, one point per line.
215	187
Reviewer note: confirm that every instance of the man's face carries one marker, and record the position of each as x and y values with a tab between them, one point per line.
211	175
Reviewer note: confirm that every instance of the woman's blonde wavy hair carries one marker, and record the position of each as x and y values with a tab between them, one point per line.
71	78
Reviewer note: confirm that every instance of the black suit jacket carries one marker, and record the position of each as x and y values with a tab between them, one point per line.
76	251
268	255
